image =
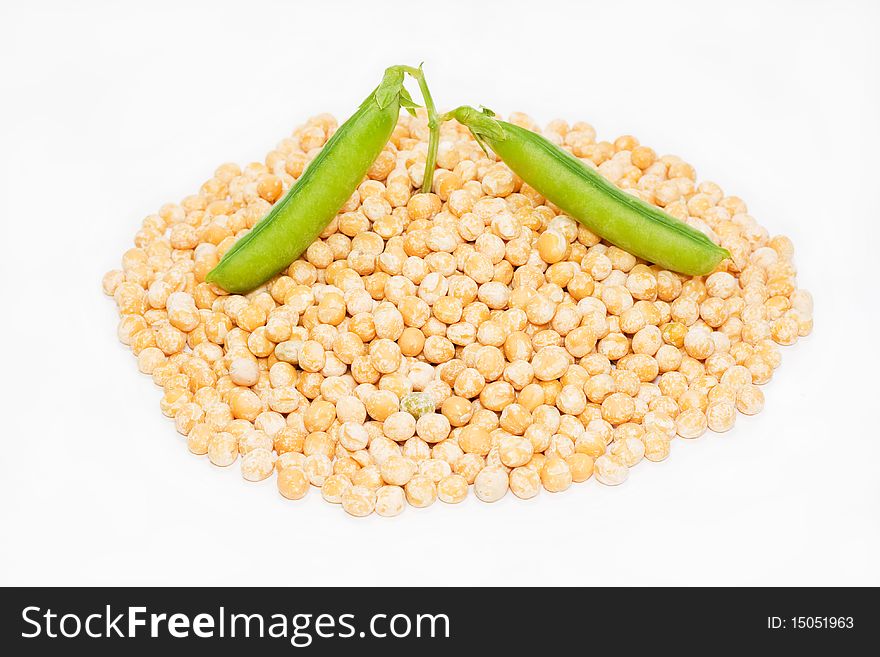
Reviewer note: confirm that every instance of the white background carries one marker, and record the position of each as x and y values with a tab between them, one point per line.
108	110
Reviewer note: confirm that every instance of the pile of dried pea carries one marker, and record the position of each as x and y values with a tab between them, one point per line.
470	334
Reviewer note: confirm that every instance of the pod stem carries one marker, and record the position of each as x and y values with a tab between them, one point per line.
434	122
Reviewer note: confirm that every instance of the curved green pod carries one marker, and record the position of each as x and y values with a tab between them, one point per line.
621	218
300	217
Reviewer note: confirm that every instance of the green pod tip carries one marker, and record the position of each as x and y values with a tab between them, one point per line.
391	90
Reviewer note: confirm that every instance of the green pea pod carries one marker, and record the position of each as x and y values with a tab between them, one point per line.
619	217
314	199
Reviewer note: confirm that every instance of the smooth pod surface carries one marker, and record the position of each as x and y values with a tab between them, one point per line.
584	194
301	215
